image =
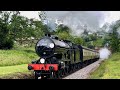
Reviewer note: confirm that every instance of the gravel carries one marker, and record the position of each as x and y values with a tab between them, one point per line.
84	72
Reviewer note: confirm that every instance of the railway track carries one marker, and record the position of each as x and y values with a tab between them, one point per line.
85	65
84	73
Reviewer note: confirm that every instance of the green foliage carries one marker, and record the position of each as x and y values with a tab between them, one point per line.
6	41
98	42
63	32
106	39
78	40
62	28
91	40
8	44
63	35
114	37
93	37
14	27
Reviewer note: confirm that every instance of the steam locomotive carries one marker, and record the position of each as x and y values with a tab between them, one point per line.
60	57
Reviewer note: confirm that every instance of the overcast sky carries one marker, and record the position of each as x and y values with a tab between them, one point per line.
111	15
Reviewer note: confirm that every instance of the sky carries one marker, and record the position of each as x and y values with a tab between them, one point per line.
111	15
30	14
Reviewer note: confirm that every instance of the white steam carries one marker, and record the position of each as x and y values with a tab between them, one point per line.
104	53
77	19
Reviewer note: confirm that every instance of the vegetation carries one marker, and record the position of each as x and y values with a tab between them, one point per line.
15	72
17	56
14	27
64	32
17	28
14	62
5	39
13	69
109	69
115	40
18	36
18	75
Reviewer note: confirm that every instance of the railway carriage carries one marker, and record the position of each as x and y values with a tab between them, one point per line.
60	57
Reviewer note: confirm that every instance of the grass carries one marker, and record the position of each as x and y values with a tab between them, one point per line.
109	69
13	69
19	75
17	56
15	72
13	63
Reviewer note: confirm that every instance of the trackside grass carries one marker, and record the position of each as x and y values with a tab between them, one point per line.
13	69
109	69
14	63
15	72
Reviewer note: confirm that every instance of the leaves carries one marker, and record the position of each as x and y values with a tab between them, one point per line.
14	27
114	37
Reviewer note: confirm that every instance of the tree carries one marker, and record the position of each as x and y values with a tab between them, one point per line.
6	41
78	40
39	29
14	23
63	28
19	26
63	32
114	37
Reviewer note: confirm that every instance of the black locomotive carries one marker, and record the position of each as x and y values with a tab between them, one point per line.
60	57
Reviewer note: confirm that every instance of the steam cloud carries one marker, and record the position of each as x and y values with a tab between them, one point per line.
104	53
77	19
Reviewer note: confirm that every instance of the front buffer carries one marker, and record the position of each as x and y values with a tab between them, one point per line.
44	70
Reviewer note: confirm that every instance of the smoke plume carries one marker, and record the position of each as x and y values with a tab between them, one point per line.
104	53
77	19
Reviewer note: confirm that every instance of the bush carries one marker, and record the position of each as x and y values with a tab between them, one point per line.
6	43
9	44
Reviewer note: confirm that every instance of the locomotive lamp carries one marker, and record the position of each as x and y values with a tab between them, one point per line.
62	64
42	60
51	45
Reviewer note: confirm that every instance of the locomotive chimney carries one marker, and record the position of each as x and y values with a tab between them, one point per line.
56	38
49	35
